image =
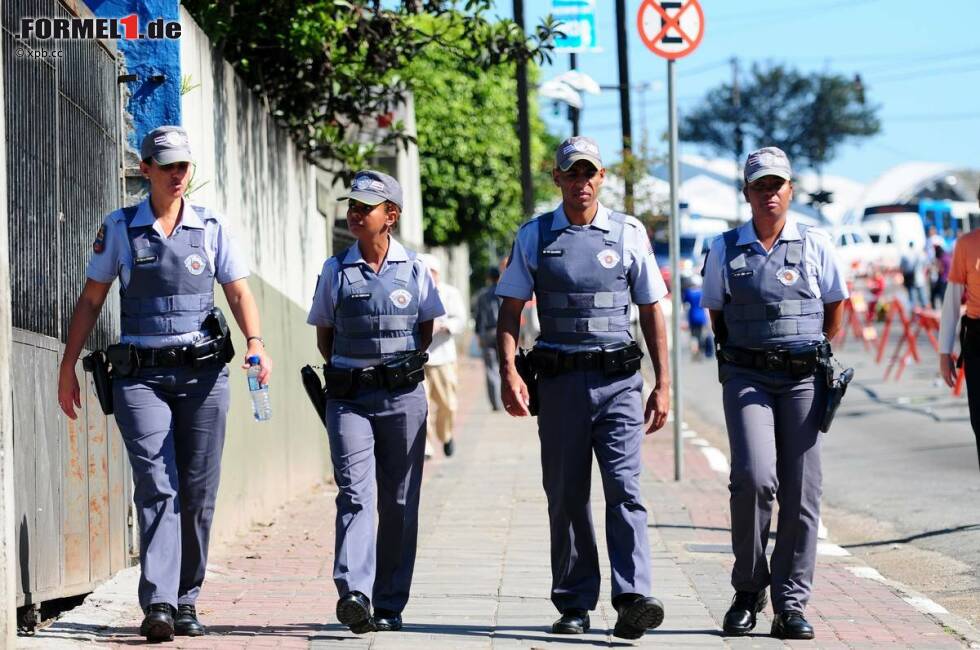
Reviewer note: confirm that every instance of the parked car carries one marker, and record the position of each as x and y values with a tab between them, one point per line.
855	251
892	233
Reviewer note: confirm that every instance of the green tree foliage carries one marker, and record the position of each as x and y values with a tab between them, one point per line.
469	150
327	66
807	116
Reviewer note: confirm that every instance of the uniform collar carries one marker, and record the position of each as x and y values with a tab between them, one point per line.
601	220
145	217
747	234
396	253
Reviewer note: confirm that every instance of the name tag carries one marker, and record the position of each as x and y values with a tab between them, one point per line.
553	253
360	296
146	259
740	274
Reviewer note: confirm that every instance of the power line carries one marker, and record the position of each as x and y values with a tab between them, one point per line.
940	72
790	14
948	117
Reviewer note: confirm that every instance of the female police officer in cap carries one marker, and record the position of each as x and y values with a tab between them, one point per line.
774	293
170	395
373	311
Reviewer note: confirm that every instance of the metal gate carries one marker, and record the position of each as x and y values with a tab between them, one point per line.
63	116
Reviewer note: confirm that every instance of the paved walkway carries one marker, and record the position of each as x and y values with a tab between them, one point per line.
482	575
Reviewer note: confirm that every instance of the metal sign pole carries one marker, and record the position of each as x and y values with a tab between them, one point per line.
675	273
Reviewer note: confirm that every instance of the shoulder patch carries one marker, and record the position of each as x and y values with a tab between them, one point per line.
99	244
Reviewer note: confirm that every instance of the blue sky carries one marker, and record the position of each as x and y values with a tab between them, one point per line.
920	61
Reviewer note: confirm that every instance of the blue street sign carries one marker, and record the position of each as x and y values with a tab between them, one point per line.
577	19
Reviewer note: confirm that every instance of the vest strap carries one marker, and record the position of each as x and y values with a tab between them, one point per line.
601	300
563	325
354	347
773	310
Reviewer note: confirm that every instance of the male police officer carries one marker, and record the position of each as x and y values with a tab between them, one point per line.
585	262
774	293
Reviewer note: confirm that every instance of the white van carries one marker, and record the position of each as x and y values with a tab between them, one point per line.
892	232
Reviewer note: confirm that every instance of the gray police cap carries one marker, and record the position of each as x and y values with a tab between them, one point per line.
768	161
166	144
373	187
577	148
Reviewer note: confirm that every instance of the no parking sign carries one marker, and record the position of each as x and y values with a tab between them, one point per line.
671	28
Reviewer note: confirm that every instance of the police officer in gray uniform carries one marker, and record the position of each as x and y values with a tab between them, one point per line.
373	310
775	296
170	383
585	263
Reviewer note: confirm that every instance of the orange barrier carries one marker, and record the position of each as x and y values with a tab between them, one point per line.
853	322
923	320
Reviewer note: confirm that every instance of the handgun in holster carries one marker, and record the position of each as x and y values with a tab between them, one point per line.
315	391
97	364
218	345
522	362
837	386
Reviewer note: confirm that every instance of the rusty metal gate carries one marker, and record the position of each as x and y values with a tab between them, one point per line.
64	126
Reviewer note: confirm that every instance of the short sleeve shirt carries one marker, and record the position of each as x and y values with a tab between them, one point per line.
327	293
642	272
966	270
112	256
823	270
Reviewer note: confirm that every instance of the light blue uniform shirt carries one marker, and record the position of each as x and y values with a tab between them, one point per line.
328	293
825	277
116	258
642	271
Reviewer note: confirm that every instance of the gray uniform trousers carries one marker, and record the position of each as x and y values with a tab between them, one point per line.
581	413
773	430
377	445
172	421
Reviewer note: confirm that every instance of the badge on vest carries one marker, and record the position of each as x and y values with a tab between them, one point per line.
787	276
400	298
195	264
608	258
552	253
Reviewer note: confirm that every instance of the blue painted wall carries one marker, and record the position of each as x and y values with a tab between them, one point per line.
151	103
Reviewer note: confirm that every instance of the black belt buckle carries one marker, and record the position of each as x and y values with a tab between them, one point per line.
369	378
774	360
167	357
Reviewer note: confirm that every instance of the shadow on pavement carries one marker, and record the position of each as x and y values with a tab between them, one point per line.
912	538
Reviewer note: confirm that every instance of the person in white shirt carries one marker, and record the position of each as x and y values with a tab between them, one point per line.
440	371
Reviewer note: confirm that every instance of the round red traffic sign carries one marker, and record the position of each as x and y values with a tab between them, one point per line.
671	28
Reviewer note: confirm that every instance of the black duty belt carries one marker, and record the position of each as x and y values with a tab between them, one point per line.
127	359
797	362
612	360
402	371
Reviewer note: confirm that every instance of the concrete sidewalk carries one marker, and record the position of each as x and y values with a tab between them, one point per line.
482	576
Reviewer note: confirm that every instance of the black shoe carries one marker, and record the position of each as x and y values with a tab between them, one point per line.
572	621
791	625
186	623
740	617
449	448
386	620
354	611
158	624
638	615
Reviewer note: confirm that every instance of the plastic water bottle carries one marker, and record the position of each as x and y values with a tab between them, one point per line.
259	392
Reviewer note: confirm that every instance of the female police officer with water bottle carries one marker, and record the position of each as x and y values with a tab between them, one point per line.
774	293
170	384
373	310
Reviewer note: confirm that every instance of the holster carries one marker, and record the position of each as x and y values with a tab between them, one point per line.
221	347
315	391
97	364
338	382
530	379
835	393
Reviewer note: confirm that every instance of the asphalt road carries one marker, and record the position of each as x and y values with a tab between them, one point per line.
901	476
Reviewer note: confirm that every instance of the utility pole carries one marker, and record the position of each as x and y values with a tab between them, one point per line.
523	121
573	113
739	138
624	105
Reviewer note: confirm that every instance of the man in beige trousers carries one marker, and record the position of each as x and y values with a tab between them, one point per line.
440	371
